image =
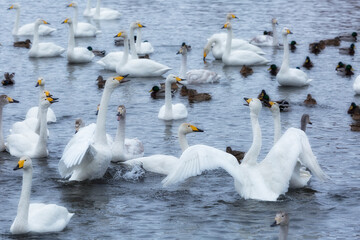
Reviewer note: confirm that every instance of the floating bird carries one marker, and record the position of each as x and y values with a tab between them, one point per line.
308	63
8	79
273	69
349	38
310	100
284	105
246	71
350	50
194	96
238	154
100	53
333	42
184	91
24	44
292	46
82	29
267	39
100	81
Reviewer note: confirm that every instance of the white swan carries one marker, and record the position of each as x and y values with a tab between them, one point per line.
125	148
164	164
290	76
171	111
266	180
356	85
217	42
31	144
105	14
239	57
267	40
76	54
142	47
36	217
196	75
88	153
138	67
82	29
43	49
90	12
34	111
27	29
4	99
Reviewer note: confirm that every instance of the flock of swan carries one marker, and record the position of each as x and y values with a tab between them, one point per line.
289	164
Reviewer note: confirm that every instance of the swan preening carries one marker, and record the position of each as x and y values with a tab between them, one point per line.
239	57
266	180
76	54
195	76
28	142
27	29
171	111
88	153
36	217
125	148
43	49
82	29
4	99
290	76
282	220
267	40
164	164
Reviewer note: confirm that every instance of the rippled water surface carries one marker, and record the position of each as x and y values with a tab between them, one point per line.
207	207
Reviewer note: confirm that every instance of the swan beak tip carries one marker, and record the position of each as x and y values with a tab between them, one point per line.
273	224
16	168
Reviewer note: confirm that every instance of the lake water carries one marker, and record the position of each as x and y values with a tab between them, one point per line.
135	205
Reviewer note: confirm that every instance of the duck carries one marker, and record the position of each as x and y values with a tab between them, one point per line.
340	67
356	85
100	53
90	12
350	50
76	54
290	76
239	57
43	49
315	48
264	181
157	92
88	153
36	217
24	44
333	42
161	163
348	71
267	40
29	143
246	71
273	69
195	76
308	63
4	100
105	14
354	111
8	79
123	148
138	67
142	47
349	38
265	98
28	29
79	123
184	91
100	81
174	86
119	42
282	220
293	46
33	111
171	111
194	96
310	100
82	29
239	155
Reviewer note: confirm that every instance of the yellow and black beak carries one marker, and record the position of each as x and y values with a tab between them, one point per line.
288	31
178	80
225	25
70	5
20	164
204	57
65	21
11	100
38	83
121	78
195	129
233	16
97	110
45	22
118	35
140	25
52	100
268	104
248	100
11	7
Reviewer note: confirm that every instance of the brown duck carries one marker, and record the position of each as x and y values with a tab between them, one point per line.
310	100
24	44
8	79
194	96
100	81
246	71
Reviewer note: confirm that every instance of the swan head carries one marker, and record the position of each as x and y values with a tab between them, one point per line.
305	119
47	101
24	163
121	112
274	21
40	21
136	24
5	99
183	50
230	16
116	81
79	123
171	78
186	128
73	4
68	21
274	107
40	82
227	25
281	219
286	31
14	6
254	104
206	51
122	34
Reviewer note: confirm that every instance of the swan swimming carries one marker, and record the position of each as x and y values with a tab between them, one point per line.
125	148
267	40
290	76
88	153
171	111
90	12
76	54
143	48
82	29
36	217
105	14
28	29
4	99
266	180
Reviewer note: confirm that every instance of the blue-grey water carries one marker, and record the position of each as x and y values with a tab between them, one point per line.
206	207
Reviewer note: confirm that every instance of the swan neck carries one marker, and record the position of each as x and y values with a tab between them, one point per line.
284	230
35	42
97	11
126	51
132	44
71	44
183	141
120	134
228	42
42	89
75	21
303	124
285	63
254	151
183	67
138	39
277	126
168	101
17	19
41	145
2	144
88	5
100	130
275	38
